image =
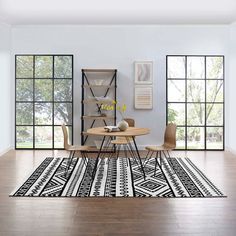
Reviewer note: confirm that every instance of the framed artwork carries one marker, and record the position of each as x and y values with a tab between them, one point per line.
143	72
143	97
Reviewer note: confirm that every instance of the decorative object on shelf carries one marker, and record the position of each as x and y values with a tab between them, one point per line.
143	97
143	72
98	89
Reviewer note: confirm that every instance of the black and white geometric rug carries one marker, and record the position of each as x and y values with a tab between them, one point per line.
117	178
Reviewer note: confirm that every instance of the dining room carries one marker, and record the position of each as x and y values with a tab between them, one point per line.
116	125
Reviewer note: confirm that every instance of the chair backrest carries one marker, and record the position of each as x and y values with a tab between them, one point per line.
170	136
130	121
65	134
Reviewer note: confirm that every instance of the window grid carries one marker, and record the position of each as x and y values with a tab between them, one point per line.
186	102
34	125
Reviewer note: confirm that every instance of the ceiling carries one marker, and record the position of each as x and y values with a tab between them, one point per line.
30	12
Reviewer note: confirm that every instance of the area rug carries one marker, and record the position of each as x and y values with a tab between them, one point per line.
121	177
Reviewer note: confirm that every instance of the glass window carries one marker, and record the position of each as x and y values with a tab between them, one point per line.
195	101
44	85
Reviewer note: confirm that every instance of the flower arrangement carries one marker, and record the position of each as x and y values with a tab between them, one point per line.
111	107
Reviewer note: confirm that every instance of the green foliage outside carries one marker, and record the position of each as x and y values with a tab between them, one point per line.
196	95
42	83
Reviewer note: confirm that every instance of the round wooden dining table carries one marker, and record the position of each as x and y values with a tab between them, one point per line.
131	132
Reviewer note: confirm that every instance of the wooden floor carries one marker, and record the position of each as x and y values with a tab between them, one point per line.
117	216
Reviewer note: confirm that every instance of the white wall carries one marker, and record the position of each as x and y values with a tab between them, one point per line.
6	92
231	90
118	47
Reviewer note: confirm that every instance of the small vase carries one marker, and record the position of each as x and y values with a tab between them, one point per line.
123	125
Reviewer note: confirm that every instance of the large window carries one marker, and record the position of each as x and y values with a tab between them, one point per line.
195	101
44	92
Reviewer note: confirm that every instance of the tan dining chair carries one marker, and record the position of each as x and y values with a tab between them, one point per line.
72	149
168	145
123	141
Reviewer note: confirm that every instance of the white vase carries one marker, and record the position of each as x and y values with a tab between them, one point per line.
123	125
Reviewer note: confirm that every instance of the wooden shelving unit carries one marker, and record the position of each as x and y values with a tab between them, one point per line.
98	86
98	117
89	98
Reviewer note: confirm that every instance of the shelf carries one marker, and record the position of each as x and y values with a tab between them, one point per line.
96	102
98	117
99	70
94	149
99	86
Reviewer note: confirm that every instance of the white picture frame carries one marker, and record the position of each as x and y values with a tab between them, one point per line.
143	97
143	72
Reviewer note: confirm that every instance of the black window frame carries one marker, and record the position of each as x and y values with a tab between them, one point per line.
205	126
53	102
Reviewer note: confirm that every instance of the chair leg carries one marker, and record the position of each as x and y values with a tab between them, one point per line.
110	155
118	152
168	153
71	155
87	161
161	160
156	158
170	163
126	154
148	158
131	151
83	156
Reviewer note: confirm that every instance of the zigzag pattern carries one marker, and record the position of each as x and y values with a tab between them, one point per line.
177	187
118	178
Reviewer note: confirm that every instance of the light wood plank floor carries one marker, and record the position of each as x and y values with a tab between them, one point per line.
116	216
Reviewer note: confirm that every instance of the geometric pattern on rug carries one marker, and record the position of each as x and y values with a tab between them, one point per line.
121	177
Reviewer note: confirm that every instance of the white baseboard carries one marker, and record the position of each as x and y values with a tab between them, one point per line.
230	150
2	152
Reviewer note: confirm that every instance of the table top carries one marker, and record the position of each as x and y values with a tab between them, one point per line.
131	131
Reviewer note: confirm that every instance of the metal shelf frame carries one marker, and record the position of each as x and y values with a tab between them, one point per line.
86	85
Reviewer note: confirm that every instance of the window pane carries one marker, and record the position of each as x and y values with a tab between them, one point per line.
43	137
24	113
176	91
43	66
24	67
196	91
215	91
43	113
36	101
196	114
195	138
43	90
63	113
24	90
63	67
24	137
215	114
176	113
196	67
176	67
58	136
214	67
214	137
180	138
63	90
